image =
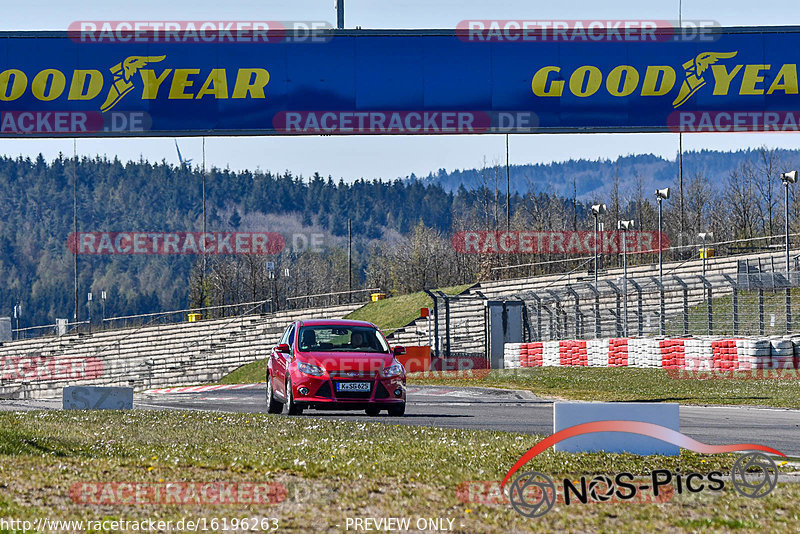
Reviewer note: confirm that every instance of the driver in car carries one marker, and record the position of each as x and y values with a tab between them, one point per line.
357	340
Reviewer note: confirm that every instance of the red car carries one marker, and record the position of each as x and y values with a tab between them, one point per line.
335	364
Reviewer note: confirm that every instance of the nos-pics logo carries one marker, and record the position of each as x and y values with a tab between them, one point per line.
533	494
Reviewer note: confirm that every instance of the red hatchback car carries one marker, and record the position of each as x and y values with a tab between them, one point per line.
335	364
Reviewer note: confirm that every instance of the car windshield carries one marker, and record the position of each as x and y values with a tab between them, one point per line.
341	338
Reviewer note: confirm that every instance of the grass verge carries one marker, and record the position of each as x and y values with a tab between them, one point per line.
396	312
333	470
250	373
628	384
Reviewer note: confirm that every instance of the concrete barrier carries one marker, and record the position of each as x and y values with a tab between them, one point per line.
97	398
567	414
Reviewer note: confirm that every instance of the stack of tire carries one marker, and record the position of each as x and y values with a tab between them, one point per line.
753	354
691	354
618	352
673	353
512	355
782	353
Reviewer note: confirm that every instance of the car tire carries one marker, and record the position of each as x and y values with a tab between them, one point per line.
397	410
291	406
273	405
373	411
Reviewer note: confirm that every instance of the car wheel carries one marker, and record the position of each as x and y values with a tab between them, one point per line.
273	406
397	410
373	411
292	407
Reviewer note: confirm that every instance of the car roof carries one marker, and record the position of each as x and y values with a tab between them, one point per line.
335	322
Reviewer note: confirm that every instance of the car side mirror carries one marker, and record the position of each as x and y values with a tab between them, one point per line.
398	350
282	347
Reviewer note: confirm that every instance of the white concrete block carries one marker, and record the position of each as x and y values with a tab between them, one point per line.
568	414
97	398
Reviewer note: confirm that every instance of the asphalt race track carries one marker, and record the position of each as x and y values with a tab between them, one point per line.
510	411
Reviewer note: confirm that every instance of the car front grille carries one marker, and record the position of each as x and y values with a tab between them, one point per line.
325	390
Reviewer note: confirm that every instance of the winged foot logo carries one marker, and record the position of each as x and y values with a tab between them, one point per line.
123	78
694	74
654	80
169	82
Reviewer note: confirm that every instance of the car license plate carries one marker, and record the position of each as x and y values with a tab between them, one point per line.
353	386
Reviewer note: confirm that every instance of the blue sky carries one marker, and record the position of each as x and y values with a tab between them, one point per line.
390	157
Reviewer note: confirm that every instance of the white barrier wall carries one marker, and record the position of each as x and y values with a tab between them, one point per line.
690	354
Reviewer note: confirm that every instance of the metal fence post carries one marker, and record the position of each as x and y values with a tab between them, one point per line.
596	292
446	324
710	312
734	301
574	293
435	322
760	311
618	313
639	308
685	289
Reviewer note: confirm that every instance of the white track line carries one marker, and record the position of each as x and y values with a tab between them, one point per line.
202	389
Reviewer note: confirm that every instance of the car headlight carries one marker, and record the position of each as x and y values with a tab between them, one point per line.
395	369
309	369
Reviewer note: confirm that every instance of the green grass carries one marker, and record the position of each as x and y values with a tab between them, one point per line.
630	384
250	373
396	312
336	469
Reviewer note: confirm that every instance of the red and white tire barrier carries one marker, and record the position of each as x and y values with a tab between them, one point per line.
693	353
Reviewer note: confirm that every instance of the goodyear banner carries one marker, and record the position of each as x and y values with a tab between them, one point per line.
398	82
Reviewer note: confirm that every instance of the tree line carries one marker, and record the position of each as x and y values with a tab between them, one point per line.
400	230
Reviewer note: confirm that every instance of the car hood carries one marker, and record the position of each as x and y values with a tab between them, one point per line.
362	363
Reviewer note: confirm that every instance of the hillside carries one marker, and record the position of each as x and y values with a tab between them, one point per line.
595	179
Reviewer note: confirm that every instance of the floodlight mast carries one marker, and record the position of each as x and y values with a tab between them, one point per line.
597	210
339	14
661	194
788	178
625	225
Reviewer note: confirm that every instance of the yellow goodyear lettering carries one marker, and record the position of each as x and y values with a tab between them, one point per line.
216	85
181	82
655	74
540	79
587	76
48	84
622	80
80	90
723	78
152	82
659	80
12	84
752	76
785	80
252	82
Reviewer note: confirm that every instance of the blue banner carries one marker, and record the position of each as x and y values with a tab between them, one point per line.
398	82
